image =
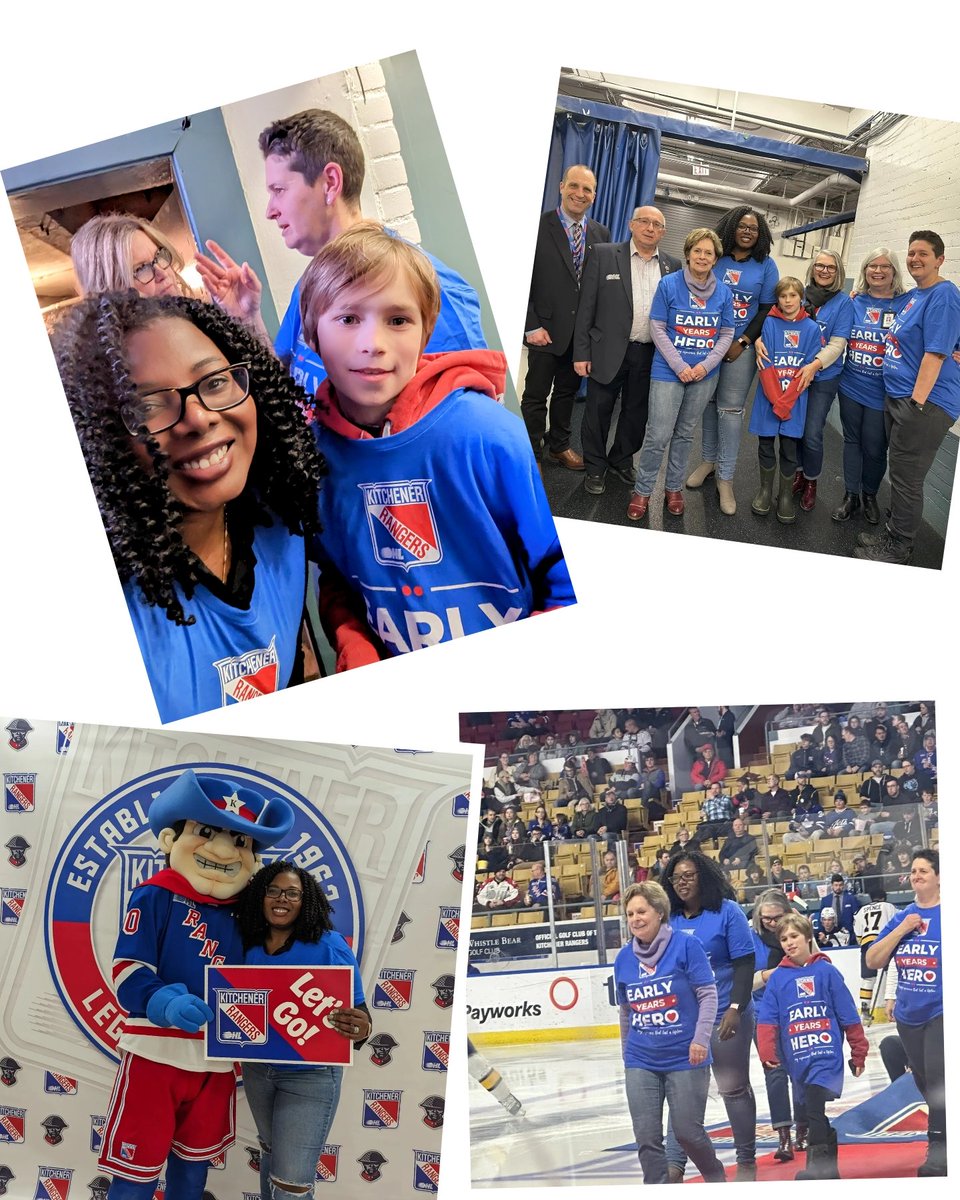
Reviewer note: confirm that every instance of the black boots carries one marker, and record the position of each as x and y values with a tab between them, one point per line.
763	500
936	1160
848	506
784	1153
821	1160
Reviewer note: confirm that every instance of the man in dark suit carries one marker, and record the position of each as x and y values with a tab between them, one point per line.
566	235
612	344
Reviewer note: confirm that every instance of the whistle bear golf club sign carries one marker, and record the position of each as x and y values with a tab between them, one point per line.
278	1014
111	850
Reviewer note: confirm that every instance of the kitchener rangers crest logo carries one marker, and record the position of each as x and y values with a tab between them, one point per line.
111	851
12	1122
401	521
731	277
11	905
436	1050
394	988
791	339
426	1170
806	987
59	1085
242	1015
19	788
53	1183
448	927
697	301
872	316
381	1109
248	675
327	1164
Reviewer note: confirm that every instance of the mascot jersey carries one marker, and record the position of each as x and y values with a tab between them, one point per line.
170	934
809	1009
919	962
662	1003
790	345
440	524
230	653
458	328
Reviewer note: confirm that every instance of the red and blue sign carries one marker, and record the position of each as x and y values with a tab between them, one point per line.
278	1014
111	850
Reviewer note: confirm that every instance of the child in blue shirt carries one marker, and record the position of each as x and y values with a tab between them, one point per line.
433	510
805	1011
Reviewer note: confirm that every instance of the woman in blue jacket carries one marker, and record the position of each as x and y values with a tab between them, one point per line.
913	938
703	904
879	298
285	921
691	322
668	1002
922	383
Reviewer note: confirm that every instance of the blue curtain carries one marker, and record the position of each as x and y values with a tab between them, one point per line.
624	158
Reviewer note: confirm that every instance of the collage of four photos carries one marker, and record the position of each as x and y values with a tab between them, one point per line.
258	906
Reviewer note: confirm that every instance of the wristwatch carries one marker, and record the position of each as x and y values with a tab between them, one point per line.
742	341
916	405
735	1007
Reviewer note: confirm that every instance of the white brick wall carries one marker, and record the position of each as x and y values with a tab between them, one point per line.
374	123
913	183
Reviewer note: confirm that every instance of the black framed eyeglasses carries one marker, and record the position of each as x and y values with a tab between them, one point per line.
290	893
146	272
155	412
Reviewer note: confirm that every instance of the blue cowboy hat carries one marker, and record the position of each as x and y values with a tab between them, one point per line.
220	802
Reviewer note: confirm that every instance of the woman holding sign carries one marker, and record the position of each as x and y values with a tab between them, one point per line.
913	939
668	1002
285	921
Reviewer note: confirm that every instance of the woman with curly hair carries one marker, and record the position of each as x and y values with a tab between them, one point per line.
285	921
115	251
703	904
748	269
206	476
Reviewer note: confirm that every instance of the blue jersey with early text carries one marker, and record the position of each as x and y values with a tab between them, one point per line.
725	935
662	1003
751	284
790	345
928	323
862	376
919	962
693	322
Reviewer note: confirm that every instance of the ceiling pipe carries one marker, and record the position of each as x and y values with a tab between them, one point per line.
727	189
823	186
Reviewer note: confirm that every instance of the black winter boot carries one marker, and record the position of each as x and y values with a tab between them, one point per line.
784	1153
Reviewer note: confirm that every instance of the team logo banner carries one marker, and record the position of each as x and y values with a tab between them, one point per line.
111	851
401	522
278	1014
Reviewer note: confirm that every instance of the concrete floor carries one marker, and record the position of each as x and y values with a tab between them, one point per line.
702	518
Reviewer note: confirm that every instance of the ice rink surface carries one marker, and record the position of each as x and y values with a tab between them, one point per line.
576	1128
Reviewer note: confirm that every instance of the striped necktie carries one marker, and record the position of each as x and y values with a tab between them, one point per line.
577	230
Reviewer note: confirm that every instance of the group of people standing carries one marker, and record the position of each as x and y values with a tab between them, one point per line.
682	345
224	462
688	983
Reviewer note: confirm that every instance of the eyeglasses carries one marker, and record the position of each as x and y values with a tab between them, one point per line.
291	893
685	877
647	221
748	229
828	267
773	920
146	272
155	412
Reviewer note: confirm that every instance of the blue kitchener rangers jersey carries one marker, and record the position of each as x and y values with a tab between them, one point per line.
170	935
230	653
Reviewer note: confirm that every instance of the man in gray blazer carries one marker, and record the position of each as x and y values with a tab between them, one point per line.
612	345
565	236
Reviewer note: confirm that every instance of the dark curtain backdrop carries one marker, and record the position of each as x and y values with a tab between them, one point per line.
624	158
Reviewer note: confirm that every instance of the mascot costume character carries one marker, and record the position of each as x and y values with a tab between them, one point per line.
169	1104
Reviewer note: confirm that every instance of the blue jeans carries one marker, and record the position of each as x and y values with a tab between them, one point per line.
686	1095
723	416
294	1110
731	1069
675	409
864	447
777	1083
820	398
